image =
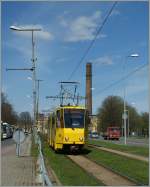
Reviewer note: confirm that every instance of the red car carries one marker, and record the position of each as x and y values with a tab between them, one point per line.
113	133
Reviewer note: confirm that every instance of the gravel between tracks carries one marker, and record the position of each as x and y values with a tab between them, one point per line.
104	175
142	158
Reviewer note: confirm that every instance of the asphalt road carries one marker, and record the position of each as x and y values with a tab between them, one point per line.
7	146
130	141
7	142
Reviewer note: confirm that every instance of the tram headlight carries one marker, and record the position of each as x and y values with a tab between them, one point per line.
81	139
66	139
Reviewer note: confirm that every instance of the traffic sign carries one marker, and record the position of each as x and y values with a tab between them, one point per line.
19	136
124	116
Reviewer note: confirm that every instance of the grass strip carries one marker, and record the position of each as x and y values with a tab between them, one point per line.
142	151
136	170
67	171
34	149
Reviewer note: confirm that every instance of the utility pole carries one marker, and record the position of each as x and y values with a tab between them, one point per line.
125	116
37	104
128	124
125	120
32	30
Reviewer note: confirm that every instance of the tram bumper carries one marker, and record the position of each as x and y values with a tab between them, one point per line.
75	136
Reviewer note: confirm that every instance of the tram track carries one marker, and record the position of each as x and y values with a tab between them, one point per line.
100	172
132	156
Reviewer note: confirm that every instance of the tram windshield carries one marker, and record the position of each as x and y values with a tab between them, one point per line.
74	118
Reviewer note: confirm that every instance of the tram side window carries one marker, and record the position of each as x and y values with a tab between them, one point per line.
61	119
53	120
58	125
48	124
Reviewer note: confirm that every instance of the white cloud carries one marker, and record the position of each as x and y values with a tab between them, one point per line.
4	88
136	92
63	22
144	44
115	13
28	96
45	35
29	78
103	60
66	12
137	86
82	28
23	49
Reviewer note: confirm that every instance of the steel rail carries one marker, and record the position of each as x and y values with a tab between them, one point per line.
110	169
121	153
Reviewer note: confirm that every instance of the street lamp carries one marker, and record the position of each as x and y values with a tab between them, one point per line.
92	88
29	78
28	96
32	30
37	104
128	122
125	116
15	28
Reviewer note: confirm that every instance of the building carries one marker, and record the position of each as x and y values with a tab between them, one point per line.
93	123
42	123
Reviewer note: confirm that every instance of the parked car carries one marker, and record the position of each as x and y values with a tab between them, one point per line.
3	132
26	133
94	135
6	131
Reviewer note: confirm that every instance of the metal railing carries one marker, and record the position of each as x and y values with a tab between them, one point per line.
45	179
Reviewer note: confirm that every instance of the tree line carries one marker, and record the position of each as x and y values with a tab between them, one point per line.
110	114
10	116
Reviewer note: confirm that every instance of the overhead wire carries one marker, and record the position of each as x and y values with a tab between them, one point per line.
92	42
122	79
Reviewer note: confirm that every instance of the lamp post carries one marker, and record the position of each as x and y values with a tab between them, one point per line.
37	104
128	121
32	30
125	116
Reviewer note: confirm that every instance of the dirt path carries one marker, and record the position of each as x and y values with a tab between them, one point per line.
106	176
142	158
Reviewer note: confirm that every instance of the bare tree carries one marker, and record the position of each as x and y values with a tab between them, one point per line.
7	111
145	123
110	114
25	120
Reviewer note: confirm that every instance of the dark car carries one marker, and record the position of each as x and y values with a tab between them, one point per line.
6	131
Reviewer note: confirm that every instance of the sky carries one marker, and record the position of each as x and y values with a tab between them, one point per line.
68	29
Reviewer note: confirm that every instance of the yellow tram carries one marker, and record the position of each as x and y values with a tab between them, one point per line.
67	128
